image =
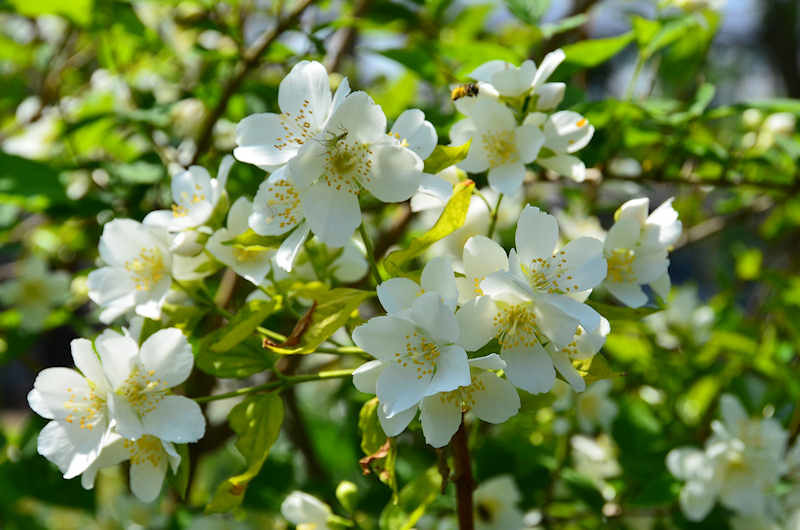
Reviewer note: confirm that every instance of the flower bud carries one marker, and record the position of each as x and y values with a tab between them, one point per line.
347	492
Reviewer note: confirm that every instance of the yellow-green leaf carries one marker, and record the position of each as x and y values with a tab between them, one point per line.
257	421
373	440
594	369
244	323
253	242
444	156
589	53
451	219
412	502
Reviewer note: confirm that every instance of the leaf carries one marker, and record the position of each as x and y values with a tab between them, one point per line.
334	308
565	24
257	421
140	172
618	312
29	178
444	156
251	241
594	369
244	323
644	29
180	479
297	332
412	501
667	34
528	11
451	219
79	11
380	452
590	53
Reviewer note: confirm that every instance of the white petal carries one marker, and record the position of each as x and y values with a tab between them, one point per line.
567	131
333	215
584	263
125	419
688	463
529	140
365	377
482	257
111	285
342	91
550	95
305	94
429	313
360	117
397	423
506	287
565	165
299	508
629	294
476	322
70	447
491	115
396	174
420	135
175	419
399	388
397	294
169	355
623	234
536	236
496	399
563	363
548	66
649	267
662	285
262	140
582	313
696	500
530	369
117	353
452	370
635	209
438	277
382	337
488	362
291	246
276	207
485	71
507	178
147	479
54	387
440	419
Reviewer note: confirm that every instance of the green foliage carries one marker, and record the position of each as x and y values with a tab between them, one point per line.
444	156
413	500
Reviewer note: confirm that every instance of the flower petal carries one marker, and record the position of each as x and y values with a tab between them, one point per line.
482	257
530	368
418	133
117	353
585	263
529	140
333	215
564	366
382	337
276	206
452	370
397	423
440	419
437	276
536	236
175	419
70	447
476	322
567	131
396	174
360	117
488	362
305	95
365	377
496	399
630	294
507	178
398	294
565	165
400	388
53	388
547	67
125	419
429	313
147	479
291	246
168	355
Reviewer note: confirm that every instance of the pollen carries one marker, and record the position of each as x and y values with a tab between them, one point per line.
297	128
147	269
145	450
516	326
143	391
421	353
500	147
581	122
85	408
620	265
551	275
348	164
283	204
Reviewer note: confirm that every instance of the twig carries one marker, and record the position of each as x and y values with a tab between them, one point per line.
370	254
465	484
275	385
495	212
250	61
343	40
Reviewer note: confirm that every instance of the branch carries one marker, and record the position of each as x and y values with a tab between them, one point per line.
285	381
345	38
251	60
465	484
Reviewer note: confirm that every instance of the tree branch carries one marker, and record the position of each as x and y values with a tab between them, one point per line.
465	484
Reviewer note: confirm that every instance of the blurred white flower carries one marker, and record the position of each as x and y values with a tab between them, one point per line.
596	458
35	292
593	408
684	315
496	505
305	511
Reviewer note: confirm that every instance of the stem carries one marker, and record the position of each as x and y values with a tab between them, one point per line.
370	254
476	191
465	484
635	77
495	212
273	385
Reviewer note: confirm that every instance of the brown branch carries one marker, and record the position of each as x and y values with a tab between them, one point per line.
250	61
465	484
344	39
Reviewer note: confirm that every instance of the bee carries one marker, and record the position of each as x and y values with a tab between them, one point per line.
465	90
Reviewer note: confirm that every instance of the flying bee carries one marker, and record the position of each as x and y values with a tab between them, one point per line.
465	90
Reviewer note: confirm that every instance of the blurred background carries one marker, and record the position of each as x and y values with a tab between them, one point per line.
101	101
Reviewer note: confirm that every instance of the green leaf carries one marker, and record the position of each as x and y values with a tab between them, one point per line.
444	156
590	53
29	178
140	172
451	219
257	421
253	242
594	369
373	439
180	480
244	323
644	30
334	308
412	502
667	34
565	24
618	312
79	11
528	11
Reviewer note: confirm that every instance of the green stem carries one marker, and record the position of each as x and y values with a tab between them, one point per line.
273	385
344	350
370	254
640	60
495	212
477	192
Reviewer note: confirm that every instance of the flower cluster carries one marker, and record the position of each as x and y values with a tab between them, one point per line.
117	405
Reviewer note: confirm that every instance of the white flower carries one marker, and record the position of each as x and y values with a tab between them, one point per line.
636	250
270	140
412	130
594	408
495	502
481	257
564	133
419	351
149	456
536	302
253	265
498	145
35	292
196	196
742	462
397	295
76	402
305	511
514	82
352	153
684	314
140	379
596	458
137	272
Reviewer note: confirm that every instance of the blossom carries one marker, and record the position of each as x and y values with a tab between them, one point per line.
499	144
534	308
514	82
137	272
306	511
195	195
594	408
252	265
140	379
76	403
636	250
412	130
397	295
741	462
495	502
270	140
419	351
352	153
684	315
564	133
596	459
35	292
149	457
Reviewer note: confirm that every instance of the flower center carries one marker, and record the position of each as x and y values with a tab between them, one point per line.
500	147
32	291
147	269
620	265
476	286
142	391
244	255
486	510
550	275
347	165
283	202
146	449
421	352
516	326
181	210
463	396
86	408
296	127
